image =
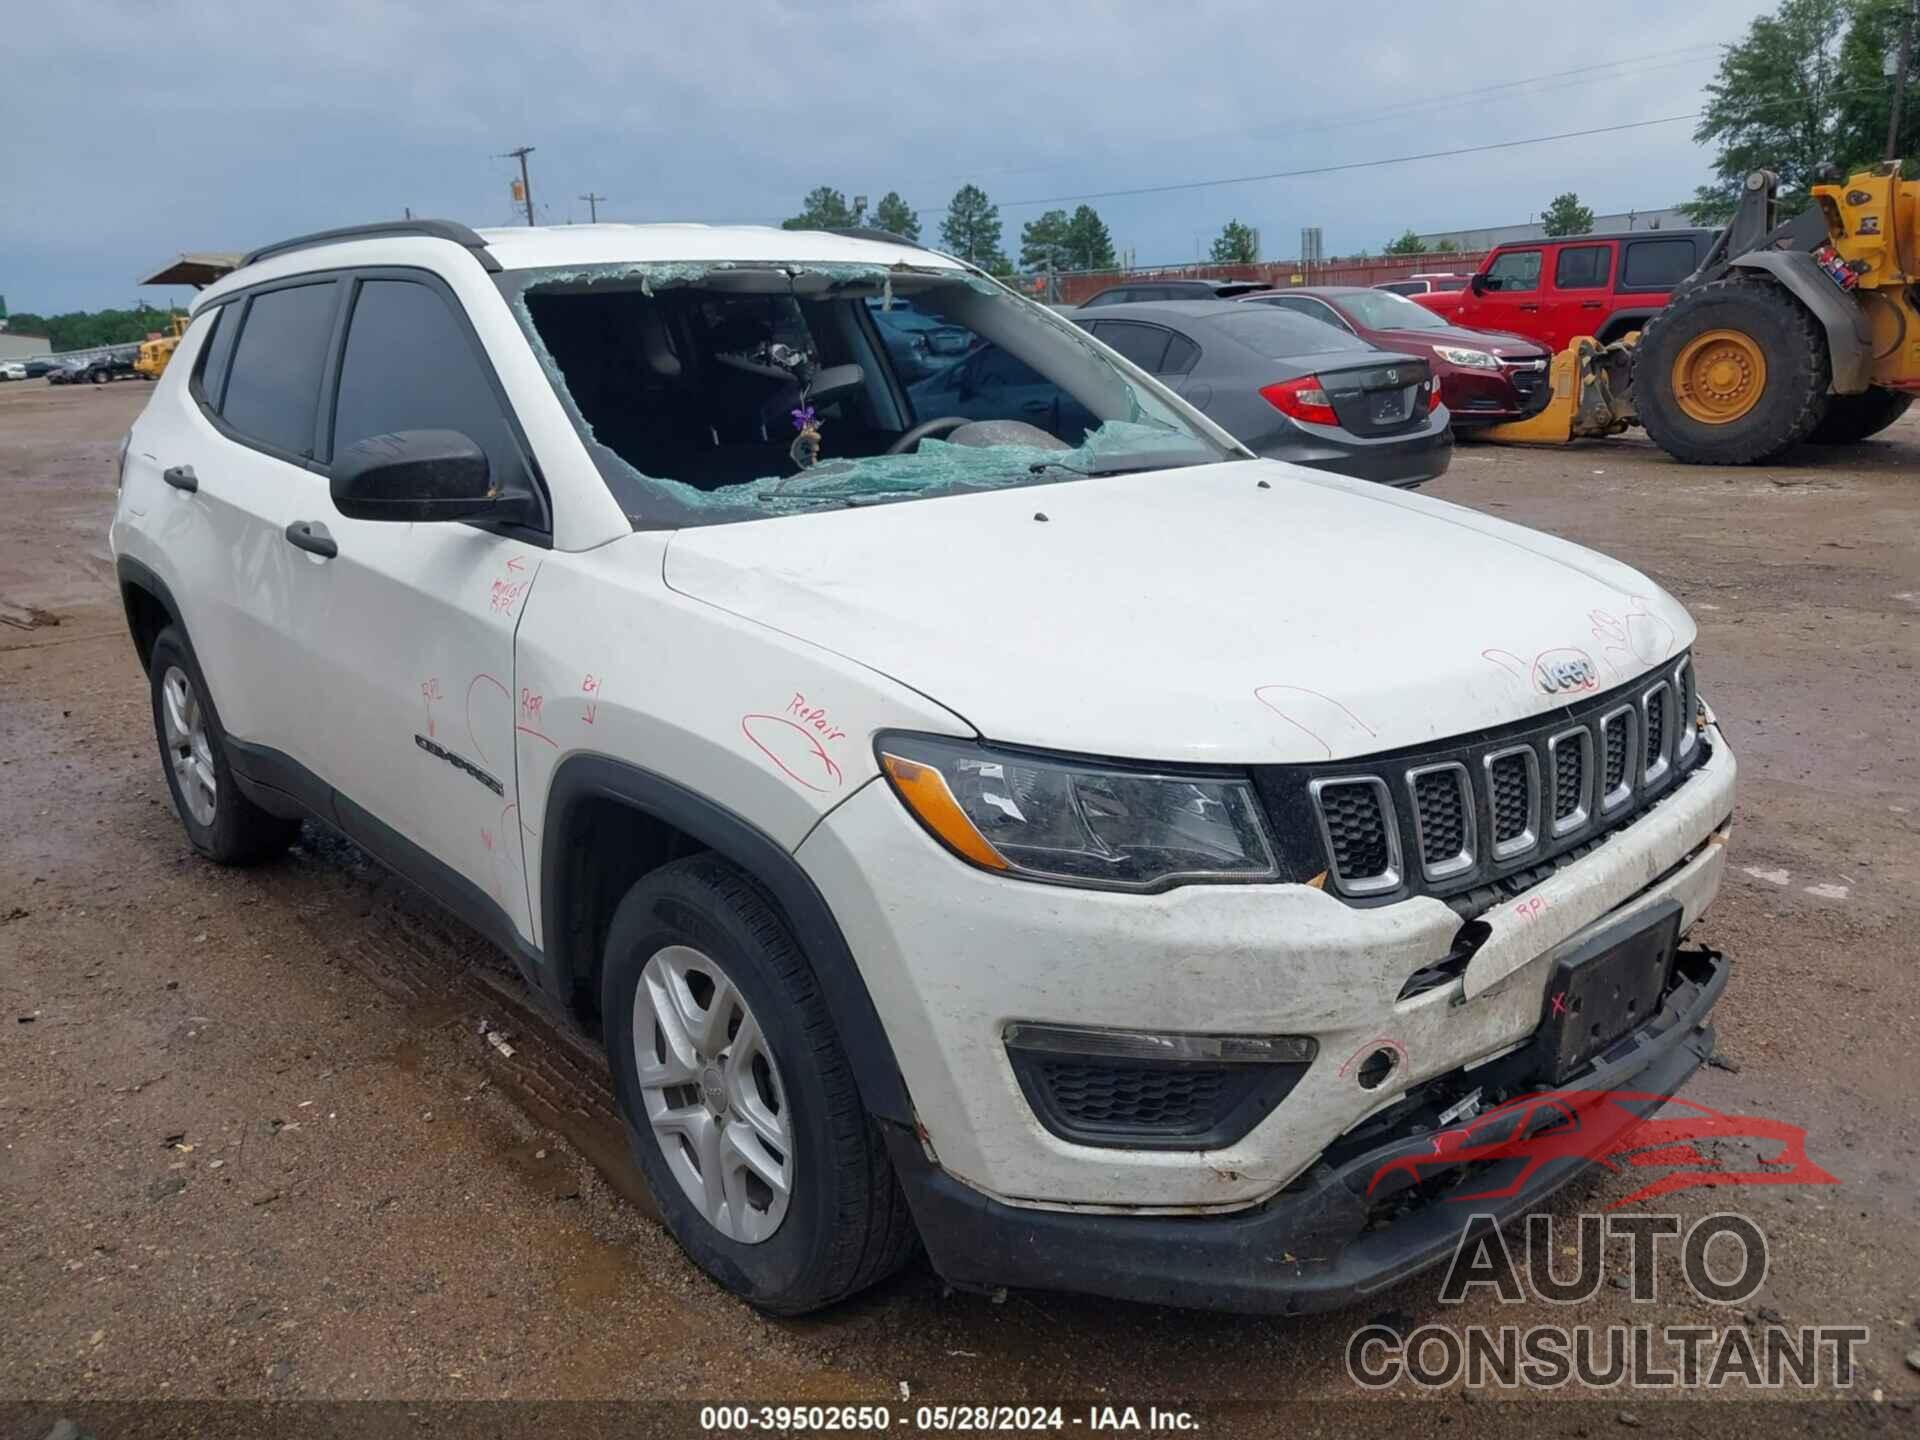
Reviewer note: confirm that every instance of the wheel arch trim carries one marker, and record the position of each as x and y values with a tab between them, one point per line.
133	575
1849	342
583	778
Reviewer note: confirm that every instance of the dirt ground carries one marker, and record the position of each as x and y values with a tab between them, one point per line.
258	1148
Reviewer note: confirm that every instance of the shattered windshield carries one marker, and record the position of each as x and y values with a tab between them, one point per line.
712	393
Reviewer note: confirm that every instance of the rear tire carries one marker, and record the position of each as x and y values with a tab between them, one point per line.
1784	396
1851	418
221	823
734	1063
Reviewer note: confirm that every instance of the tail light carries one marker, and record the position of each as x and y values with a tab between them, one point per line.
1302	399
1433	394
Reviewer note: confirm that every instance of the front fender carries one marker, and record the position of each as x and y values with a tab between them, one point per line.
1849	342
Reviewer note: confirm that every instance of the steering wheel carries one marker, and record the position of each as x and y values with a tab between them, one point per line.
926	430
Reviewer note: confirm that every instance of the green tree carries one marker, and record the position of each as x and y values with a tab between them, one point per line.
1236	245
90	329
1407	244
1567	216
825	208
972	230
1088	242
1044	240
1774	104
1866	94
895	215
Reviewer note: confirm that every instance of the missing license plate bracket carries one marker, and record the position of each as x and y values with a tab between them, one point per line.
1607	988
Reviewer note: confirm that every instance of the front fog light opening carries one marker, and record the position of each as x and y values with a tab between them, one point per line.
1140	1090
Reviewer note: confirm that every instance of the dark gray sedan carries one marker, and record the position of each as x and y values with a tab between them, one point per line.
1288	387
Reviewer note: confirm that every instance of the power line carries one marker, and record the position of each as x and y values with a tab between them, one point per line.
593	206
1400	109
1332	169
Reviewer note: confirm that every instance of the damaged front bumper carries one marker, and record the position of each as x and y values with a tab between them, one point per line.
1353	1223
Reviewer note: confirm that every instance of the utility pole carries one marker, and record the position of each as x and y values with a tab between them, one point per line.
526	184
593	207
1900	82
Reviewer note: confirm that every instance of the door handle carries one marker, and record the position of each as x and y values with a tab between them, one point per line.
181	477
312	537
1590	305
1529	307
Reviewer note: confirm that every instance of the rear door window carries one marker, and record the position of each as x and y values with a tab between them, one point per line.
1582	267
1144	345
1514	270
1656	264
273	389
409	365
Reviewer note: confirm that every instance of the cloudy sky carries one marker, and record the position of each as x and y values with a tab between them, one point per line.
135	129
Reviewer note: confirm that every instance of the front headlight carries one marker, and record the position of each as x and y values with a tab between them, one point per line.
1076	823
1471	359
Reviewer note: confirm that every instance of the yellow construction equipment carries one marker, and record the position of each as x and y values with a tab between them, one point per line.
155	353
1794	330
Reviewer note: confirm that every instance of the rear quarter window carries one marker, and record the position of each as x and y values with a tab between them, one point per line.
210	376
1656	264
273	390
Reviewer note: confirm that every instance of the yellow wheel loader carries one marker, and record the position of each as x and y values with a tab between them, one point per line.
154	354
1798	330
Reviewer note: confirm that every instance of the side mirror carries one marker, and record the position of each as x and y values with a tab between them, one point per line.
1478	284
419	475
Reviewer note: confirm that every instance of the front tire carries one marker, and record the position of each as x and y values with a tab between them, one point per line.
1851	418
1731	373
739	1101
221	823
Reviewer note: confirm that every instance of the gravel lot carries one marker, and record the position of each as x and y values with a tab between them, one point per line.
257	1147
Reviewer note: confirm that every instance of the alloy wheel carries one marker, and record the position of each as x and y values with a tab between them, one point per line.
712	1094
189	749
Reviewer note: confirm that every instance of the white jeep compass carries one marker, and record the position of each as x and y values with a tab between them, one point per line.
1024	825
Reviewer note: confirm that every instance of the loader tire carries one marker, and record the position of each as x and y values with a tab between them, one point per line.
1855	417
1731	373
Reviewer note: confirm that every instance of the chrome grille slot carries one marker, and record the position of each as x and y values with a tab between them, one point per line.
1570	757
1442	818
1656	708
1513	798
1362	833
1616	733
1686	710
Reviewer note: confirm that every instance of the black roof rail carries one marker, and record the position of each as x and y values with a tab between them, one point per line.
432	229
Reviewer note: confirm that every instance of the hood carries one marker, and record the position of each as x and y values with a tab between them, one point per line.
1513	347
1193	615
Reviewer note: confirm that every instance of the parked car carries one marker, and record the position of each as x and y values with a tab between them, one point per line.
1484	378
41	365
1135	291
1599	285
1052	843
1288	387
12	370
919	345
69	372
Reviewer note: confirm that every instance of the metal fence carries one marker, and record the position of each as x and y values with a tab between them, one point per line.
1071	288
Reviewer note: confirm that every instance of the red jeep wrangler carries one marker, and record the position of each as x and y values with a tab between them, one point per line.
1598	285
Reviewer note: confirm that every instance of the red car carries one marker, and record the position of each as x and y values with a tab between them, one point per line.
1484	378
1599	285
